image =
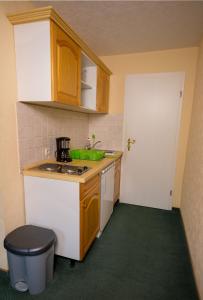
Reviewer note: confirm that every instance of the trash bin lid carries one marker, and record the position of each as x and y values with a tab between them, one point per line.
29	240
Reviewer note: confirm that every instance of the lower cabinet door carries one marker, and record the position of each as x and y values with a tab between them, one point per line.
117	180
89	221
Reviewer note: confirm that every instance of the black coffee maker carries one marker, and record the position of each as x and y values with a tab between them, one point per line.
62	149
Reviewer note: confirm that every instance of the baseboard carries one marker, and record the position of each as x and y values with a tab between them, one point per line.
3	270
190	256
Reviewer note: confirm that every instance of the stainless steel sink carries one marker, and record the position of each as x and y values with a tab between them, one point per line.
110	152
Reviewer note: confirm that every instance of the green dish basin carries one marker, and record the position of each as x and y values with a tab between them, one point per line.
87	154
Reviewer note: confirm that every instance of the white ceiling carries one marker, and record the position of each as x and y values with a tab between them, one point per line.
117	27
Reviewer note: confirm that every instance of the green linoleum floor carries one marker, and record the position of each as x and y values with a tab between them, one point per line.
141	255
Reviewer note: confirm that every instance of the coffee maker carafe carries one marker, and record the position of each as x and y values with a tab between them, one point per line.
62	149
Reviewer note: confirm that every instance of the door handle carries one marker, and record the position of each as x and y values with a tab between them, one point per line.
129	143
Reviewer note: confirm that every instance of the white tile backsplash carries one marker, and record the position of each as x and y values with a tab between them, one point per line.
108	129
39	126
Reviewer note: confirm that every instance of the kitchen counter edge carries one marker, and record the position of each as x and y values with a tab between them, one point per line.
96	168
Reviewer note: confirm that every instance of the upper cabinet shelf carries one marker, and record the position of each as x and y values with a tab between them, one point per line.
55	67
85	85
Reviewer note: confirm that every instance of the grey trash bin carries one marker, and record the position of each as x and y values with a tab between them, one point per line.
30	251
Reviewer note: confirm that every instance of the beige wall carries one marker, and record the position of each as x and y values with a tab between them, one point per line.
11	185
192	193
152	62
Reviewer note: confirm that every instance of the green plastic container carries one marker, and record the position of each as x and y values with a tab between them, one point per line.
87	154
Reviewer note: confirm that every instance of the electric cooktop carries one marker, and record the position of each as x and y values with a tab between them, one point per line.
64	169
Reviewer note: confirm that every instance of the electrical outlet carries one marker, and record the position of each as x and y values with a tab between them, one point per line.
47	152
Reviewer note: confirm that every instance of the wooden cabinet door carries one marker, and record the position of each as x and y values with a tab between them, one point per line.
65	67
117	180
102	91
89	217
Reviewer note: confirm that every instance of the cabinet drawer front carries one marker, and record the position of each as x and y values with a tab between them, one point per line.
90	186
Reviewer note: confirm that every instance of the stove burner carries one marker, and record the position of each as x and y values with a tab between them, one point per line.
65	169
73	169
50	167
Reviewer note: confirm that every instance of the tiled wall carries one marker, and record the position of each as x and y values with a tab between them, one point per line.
39	126
192	191
108	129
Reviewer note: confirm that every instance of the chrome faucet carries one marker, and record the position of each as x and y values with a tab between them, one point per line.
88	146
93	146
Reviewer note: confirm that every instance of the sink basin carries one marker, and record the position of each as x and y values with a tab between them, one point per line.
110	151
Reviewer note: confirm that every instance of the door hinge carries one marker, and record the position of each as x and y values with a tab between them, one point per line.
171	192
181	94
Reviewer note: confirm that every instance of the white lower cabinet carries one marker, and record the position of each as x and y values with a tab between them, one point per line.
71	209
55	204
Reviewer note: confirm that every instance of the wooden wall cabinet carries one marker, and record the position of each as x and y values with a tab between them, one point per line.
102	91
65	67
117	178
89	213
51	64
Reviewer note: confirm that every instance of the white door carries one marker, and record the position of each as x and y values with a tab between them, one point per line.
151	117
